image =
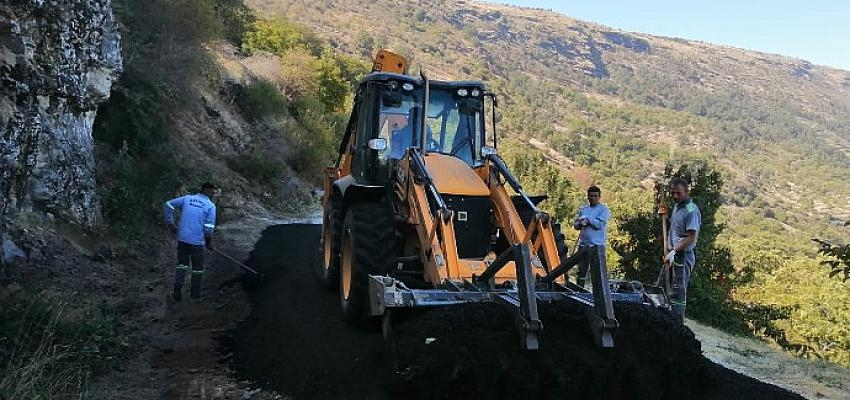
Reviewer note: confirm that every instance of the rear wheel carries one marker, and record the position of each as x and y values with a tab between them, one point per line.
367	245
327	264
560	243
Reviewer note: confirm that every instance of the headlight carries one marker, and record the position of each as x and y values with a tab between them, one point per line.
407	86
475	92
462	92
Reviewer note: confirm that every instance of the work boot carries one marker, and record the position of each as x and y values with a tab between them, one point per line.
179	277
197	276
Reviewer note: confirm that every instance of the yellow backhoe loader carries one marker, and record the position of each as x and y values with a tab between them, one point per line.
419	212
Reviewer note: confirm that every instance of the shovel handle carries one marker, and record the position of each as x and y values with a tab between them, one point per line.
235	261
666	265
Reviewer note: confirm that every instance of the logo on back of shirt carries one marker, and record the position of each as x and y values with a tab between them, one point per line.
196	203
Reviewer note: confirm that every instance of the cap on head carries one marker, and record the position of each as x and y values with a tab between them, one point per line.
208	186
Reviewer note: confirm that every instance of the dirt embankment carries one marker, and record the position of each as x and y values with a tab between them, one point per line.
295	342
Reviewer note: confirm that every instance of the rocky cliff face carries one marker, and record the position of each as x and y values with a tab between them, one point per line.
58	60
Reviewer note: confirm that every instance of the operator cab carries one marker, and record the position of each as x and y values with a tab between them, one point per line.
390	107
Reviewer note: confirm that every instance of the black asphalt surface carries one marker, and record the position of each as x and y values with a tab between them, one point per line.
295	340
297	343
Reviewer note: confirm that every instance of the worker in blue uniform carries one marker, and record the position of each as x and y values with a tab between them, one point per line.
592	223
194	231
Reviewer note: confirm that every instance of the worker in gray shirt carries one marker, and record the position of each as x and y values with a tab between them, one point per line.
591	222
685	222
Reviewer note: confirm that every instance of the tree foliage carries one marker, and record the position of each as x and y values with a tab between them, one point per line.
310	67
236	19
277	36
538	176
837	259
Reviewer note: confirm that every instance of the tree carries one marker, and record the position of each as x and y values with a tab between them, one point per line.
236	18
838	259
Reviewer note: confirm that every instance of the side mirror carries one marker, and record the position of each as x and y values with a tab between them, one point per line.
377	144
488	151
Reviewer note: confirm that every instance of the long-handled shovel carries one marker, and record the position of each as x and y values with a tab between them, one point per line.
665	276
260	276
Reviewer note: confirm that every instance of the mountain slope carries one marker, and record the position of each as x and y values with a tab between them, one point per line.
753	108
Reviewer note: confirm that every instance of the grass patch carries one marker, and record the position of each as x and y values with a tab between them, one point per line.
50	348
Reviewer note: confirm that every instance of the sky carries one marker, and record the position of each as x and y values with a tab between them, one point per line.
813	30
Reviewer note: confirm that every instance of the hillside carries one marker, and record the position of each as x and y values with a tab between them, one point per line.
779	124
614	107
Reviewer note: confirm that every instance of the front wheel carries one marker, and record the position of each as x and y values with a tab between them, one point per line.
327	261
366	249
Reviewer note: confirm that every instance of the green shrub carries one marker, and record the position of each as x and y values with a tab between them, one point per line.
332	86
315	144
309	67
277	36
258	167
298	68
837	259
337	75
261	99
131	189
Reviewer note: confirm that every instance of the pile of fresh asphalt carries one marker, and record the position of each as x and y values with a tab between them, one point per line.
296	342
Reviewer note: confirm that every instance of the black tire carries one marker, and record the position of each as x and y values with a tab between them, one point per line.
367	245
560	240
560	244
327	257
525	213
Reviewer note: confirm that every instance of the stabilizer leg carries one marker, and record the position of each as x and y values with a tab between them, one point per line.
530	325
389	342
602	321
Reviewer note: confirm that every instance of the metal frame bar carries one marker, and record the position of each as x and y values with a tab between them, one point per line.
391	293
